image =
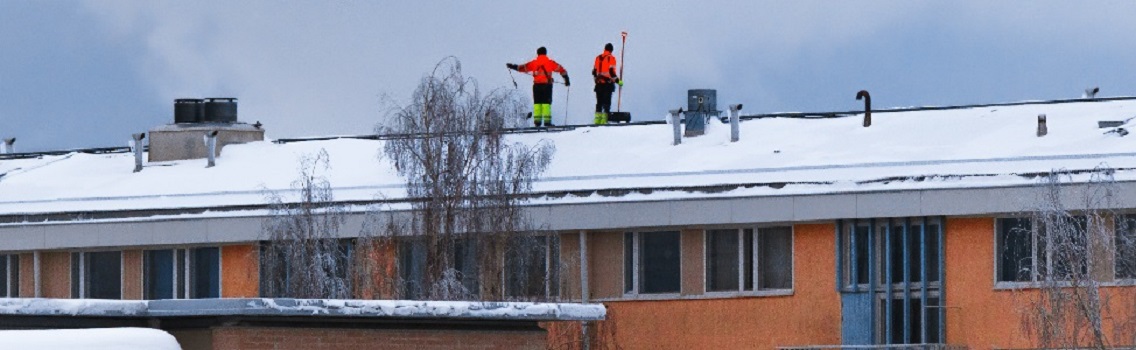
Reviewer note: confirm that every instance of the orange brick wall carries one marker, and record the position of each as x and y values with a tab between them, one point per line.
27	275
985	318
132	275
810	316
254	338
55	274
240	276
605	264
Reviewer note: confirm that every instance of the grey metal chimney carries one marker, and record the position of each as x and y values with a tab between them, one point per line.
676	122
8	146
734	121
211	144
136	146
1042	130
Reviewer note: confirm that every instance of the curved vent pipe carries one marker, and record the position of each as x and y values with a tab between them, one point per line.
863	95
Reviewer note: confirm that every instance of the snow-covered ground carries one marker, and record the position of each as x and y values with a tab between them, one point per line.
985	146
89	339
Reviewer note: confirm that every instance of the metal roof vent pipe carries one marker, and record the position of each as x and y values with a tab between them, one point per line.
1042	130
675	117
863	95
1091	92
734	121
8	146
136	146
211	144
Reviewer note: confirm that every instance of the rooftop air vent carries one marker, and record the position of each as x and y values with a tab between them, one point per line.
221	110
189	110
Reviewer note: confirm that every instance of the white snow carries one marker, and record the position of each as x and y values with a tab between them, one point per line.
809	156
72	307
89	339
435	309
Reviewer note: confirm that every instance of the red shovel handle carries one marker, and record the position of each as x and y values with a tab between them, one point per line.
622	47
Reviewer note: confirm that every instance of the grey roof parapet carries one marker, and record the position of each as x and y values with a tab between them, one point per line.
381	309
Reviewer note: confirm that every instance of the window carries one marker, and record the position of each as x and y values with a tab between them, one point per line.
10	276
96	275
307	268
1125	241
532	267
413	259
164	273
655	266
1053	248
730	259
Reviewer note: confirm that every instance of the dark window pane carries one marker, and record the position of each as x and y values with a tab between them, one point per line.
4	276
660	262
896	258
933	321
158	274
104	275
775	257
75	273
182	274
554	270
861	254
1015	250
411	267
206	274
722	260
933	253
14	264
914	251
1068	239
1126	247
465	262
748	262
628	262
525	264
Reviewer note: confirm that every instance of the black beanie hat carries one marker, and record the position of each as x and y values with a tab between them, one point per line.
609	47
542	51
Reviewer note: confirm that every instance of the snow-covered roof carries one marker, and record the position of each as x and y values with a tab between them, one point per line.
396	309
986	146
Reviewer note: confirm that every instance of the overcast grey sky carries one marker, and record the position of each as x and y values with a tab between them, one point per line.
89	73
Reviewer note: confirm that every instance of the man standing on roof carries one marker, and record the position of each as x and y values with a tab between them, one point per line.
604	73
541	69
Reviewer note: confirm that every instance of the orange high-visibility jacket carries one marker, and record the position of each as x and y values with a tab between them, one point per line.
604	69
541	69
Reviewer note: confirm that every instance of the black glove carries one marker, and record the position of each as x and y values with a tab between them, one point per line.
566	81
511	66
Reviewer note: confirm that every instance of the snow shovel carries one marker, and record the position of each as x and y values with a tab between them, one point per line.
620	116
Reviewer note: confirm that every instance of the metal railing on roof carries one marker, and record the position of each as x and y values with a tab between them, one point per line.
828	115
878	347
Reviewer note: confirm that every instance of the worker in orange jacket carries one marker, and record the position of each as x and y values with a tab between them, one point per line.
604	73
541	69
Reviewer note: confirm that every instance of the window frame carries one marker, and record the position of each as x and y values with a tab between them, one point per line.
184	272
551	286
1035	280
637	266
80	270
10	275
755	260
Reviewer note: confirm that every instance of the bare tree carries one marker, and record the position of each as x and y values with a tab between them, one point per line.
466	185
1076	249
303	256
